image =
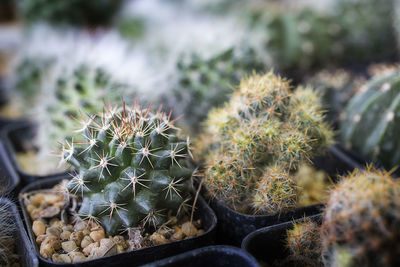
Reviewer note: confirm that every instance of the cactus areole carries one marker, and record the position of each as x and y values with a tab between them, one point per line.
132	169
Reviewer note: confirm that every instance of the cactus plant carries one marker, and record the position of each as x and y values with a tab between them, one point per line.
7	228
252	145
336	87
132	170
206	83
304	243
371	119
361	219
75	12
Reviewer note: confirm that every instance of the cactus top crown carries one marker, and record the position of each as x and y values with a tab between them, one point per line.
133	169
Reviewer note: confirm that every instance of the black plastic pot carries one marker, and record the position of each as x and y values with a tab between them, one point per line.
22	243
9	179
136	257
209	256
18	137
234	226
268	244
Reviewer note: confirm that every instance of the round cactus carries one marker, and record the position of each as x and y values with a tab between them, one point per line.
372	117
132	169
76	12
304	243
254	143
361	221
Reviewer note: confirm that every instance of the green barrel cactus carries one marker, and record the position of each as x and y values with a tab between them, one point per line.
361	220
132	170
252	144
75	12
206	83
372	118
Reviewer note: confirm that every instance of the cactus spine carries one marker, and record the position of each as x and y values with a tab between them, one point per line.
360	225
254	143
133	169
372	118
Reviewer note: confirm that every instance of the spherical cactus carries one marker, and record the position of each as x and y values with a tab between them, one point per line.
75	12
361	221
372	117
336	87
255	142
132	169
304	243
206	83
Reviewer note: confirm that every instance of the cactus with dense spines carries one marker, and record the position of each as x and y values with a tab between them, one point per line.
206	83
255	142
361	221
336	88
372	118
7	228
75	12
132	169
304	243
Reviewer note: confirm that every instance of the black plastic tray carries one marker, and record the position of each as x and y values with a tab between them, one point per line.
18	137
23	245
215	256
136	257
268	244
234	226
9	178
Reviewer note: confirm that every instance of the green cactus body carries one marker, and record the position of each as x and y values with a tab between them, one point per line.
361	219
76	12
133	169
206	83
372	120
253	143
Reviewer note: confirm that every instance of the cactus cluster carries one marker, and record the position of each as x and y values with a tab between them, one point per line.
372	117
75	12
361	220
132	169
252	144
206	83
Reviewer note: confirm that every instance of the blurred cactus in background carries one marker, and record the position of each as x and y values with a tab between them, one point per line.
69	12
255	141
8	257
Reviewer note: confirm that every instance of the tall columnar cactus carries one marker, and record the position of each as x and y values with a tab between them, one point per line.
133	169
206	83
252	145
361	221
336	87
76	12
372	118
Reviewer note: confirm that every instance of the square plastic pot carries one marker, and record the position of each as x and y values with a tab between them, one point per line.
23	245
135	257
268	244
216	256
234	226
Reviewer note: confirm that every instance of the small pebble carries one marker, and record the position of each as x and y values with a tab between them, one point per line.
97	235
87	250
80	226
77	256
38	228
77	237
53	230
189	229
158	239
65	235
40	239
61	258
86	241
68	246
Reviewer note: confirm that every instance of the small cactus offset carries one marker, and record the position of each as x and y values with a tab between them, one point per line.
132	169
304	243
361	221
206	83
372	118
75	12
253	144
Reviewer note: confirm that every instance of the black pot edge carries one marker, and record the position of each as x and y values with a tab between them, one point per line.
277	240
27	250
8	173
26	178
252	262
208	237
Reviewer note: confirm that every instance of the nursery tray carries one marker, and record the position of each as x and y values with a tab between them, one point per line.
17	138
234	226
22	243
216	256
136	257
268	244
9	178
